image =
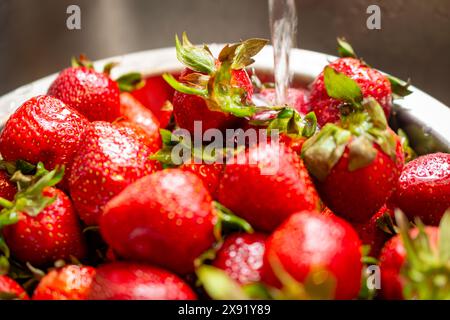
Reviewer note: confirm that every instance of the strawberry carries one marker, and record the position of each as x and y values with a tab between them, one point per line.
377	230
110	157
152	142
94	94
209	173
423	188
309	243
214	92
131	281
7	188
40	226
177	216
133	111
415	263
296	98
241	256
372	83
9	289
71	282
43	129
359	156
154	95
268	186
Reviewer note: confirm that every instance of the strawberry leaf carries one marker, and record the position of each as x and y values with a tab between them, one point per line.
130	81
196	58
19	165
245	51
345	49
361	153
109	66
178	86
166	136
399	87
228	220
196	80
218	284
82	61
323	150
409	152
290	122
341	87
376	113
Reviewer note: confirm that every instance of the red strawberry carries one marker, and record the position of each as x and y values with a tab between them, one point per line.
295	144
7	188
133	111
424	188
43	129
377	230
152	142
110	157
209	173
356	164
9	289
130	281
342	188
214	92
372	83
241	256
296	98
169	211
268	186
154	95
392	259
94	94
310	242
46	228
71	282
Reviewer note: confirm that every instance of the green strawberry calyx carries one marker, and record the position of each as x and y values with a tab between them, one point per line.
426	270
345	49
408	151
197	154
359	131
227	221
289	121
82	61
130	81
212	80
29	200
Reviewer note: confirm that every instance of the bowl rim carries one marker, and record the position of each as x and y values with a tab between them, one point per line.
305	64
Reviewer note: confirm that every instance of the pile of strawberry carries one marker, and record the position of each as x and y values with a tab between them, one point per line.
95	208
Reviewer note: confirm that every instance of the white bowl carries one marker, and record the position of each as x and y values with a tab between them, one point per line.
425	119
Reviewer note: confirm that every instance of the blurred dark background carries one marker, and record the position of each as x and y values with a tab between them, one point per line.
413	42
